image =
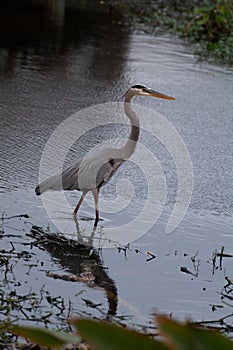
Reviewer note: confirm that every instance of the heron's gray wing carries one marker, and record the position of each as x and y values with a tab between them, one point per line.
67	180
107	171
86	174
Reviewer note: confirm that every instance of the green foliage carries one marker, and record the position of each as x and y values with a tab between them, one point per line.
209	24
105	336
212	26
213	21
175	336
185	336
44	337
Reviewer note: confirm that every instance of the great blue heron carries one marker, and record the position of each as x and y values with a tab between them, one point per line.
96	169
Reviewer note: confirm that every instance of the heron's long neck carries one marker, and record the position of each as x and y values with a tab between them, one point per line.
130	145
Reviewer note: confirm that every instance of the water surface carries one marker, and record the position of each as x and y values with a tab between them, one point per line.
64	66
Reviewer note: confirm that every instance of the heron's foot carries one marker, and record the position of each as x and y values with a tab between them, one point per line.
87	218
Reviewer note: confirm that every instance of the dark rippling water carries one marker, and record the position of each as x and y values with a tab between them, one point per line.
57	61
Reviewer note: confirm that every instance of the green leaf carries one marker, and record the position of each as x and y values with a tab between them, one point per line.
104	336
209	339
187	337
203	20
175	334
45	337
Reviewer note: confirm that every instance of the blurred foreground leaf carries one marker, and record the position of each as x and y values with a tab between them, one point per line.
187	337
104	336
45	337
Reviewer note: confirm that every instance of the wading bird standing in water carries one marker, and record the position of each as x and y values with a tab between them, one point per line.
96	169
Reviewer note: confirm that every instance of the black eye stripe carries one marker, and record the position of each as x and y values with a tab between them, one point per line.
138	87
141	87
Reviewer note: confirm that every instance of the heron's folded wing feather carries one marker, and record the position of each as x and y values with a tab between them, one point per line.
67	180
108	170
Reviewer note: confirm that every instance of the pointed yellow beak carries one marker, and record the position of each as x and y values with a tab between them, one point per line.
160	95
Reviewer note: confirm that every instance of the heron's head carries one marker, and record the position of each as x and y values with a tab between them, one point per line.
146	91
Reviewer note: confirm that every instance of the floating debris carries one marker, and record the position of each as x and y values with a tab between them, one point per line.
185	270
151	256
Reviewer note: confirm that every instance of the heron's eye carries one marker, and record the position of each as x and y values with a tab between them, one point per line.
146	90
111	161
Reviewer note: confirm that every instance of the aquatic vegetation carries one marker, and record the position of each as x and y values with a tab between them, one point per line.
208	23
47	319
212	26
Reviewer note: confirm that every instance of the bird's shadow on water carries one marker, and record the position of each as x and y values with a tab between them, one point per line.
83	262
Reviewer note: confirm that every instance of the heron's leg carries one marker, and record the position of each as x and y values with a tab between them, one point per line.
96	199
80	202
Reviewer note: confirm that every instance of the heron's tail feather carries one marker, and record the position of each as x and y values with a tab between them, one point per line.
37	190
66	180
54	184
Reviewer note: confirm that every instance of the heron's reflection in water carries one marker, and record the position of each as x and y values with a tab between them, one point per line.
81	260
83	238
